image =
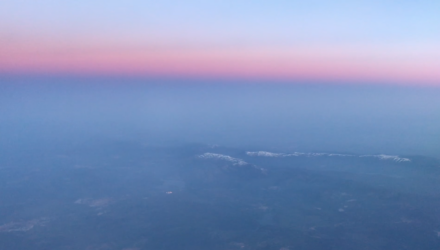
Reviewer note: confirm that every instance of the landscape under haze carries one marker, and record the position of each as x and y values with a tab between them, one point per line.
133	164
219	125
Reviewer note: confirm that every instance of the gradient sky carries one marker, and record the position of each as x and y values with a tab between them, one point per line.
354	41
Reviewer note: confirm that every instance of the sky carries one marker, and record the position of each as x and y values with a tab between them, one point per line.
351	41
373	48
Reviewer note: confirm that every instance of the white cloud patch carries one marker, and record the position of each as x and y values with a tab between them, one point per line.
296	154
269	154
388	157
234	161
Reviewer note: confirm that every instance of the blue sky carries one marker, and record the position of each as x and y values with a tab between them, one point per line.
275	21
413	26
